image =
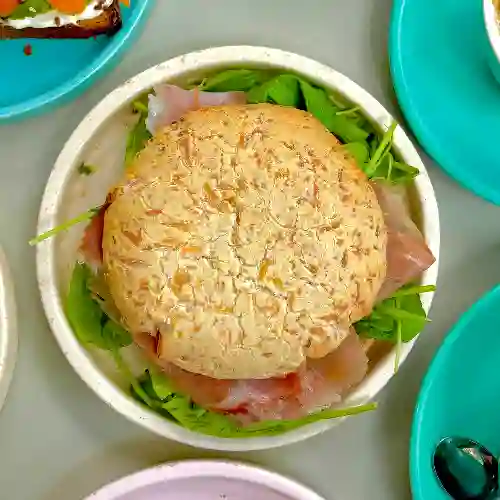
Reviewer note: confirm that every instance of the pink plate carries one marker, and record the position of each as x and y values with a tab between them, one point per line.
205	480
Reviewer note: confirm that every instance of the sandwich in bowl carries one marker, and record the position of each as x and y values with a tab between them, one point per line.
59	18
257	249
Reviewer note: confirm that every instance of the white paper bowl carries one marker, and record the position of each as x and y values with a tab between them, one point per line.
491	20
100	140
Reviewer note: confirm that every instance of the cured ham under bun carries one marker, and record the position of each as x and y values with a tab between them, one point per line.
246	240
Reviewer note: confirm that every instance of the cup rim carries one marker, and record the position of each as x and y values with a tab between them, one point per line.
205	468
205	60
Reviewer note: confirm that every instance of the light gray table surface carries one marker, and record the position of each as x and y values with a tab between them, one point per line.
57	439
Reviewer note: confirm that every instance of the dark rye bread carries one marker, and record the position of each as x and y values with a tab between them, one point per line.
107	23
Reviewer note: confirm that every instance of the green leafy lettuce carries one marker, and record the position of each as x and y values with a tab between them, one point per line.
90	324
139	135
85	217
93	328
398	319
403	310
236	79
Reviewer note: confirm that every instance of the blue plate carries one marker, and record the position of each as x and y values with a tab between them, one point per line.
460	395
58	70
438	53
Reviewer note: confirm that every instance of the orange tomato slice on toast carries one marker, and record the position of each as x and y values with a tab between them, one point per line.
7	7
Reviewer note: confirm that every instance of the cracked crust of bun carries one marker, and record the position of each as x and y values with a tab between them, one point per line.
108	23
246	239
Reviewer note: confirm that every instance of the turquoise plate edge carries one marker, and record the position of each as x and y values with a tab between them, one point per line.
492	296
404	98
66	92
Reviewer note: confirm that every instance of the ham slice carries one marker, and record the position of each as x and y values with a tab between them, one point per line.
205	391
91	246
319	384
170	102
408	255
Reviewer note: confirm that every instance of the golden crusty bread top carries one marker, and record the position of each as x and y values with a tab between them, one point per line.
247	238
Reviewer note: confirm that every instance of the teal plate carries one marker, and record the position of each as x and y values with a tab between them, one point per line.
438	55
460	395
59	70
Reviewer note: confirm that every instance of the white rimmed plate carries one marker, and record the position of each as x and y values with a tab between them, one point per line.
205	480
100	140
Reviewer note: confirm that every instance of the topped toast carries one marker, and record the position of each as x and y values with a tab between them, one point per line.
59	18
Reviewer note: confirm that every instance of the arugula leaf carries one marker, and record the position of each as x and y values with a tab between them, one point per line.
383	164
322	107
114	335
84	314
138	390
290	90
233	80
398	317
390	170
161	398
385	169
403	173
349	111
196	419
414	290
340	103
145	383
283	90
90	324
86	169
399	342
31	8
140	105
382	150
280	426
161	386
191	416
359	151
89	214
139	135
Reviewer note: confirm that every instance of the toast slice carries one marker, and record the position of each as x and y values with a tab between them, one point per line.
107	20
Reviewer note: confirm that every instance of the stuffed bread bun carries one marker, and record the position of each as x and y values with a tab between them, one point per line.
245	240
